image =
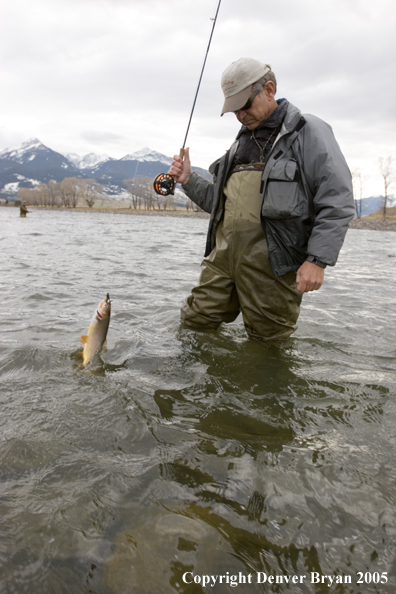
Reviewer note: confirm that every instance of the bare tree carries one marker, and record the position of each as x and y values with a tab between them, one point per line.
35	196
63	188
89	190
69	191
168	202
357	181
42	194
53	192
144	190
133	187
386	169
25	195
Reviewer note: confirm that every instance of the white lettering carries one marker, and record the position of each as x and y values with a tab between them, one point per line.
185	577
240	578
316	578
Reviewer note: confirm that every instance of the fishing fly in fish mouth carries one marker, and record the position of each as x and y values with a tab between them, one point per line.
95	339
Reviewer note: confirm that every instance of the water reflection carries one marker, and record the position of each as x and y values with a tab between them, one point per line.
177	451
251	472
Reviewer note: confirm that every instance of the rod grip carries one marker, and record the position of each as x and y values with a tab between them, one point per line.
181	154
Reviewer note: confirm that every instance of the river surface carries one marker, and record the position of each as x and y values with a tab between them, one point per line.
177	455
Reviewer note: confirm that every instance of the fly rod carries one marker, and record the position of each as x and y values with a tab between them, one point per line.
164	184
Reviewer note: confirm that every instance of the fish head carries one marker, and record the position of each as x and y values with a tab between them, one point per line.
104	308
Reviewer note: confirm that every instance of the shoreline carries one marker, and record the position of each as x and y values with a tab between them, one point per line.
373	224
128	211
366	223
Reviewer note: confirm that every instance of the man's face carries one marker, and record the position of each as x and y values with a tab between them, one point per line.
261	108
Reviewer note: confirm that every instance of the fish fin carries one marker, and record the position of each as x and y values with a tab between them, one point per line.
80	354
84	339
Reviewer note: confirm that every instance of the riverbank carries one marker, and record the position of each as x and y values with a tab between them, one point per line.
373	224
155	213
365	223
369	223
129	211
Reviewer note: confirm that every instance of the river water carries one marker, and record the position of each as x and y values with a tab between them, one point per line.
177	455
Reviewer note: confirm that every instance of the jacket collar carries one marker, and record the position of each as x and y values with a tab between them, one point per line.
292	118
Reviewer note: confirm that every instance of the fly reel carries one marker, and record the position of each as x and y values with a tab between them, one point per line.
164	184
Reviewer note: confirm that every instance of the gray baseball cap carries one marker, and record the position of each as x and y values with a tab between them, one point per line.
237	81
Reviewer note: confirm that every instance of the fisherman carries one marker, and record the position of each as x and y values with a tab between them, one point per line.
280	203
23	210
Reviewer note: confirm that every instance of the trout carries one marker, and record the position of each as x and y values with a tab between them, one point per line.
97	331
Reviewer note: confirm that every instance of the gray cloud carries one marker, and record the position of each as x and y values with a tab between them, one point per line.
112	76
101	138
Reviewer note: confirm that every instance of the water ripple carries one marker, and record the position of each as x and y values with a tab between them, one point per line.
176	451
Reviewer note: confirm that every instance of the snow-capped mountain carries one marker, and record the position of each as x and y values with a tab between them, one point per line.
88	161
19	153
30	164
35	155
33	163
148	155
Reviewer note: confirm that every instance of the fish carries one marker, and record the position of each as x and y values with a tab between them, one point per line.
95	340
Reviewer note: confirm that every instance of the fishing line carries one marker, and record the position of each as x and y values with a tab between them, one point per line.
164	184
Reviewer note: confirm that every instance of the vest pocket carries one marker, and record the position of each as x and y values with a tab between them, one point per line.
283	197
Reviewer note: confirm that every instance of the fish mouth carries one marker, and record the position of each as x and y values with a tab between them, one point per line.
104	304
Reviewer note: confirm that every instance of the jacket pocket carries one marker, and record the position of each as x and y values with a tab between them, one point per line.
284	197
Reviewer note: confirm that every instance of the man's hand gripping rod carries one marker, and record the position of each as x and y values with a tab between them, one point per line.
164	184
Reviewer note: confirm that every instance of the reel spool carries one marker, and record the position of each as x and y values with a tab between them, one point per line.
164	184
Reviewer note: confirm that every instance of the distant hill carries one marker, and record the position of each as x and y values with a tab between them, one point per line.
390	214
375	203
32	163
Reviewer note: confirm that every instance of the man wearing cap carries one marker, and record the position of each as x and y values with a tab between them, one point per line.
280	203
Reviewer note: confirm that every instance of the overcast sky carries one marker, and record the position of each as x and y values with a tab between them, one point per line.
114	76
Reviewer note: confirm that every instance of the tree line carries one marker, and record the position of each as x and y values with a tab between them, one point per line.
143	196
66	193
73	190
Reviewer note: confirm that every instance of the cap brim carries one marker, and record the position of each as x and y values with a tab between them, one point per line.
236	101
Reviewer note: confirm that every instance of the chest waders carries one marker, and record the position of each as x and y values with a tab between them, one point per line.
237	276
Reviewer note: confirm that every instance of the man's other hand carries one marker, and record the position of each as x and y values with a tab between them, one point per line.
310	277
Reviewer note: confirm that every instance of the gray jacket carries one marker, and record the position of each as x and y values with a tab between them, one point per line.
306	194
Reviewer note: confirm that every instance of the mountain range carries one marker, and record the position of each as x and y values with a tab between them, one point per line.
32	163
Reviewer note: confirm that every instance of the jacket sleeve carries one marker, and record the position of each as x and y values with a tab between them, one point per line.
330	182
200	191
